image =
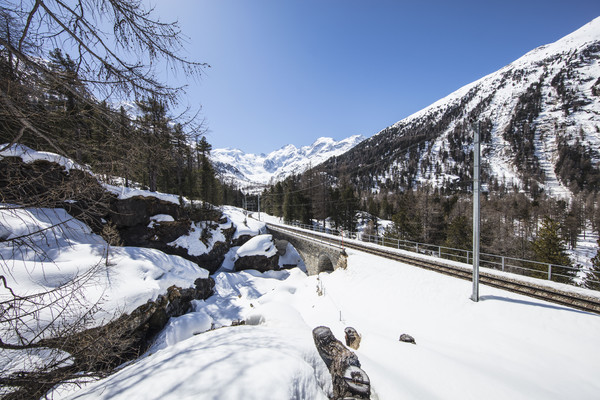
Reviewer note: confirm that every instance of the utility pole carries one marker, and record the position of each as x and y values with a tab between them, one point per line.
476	190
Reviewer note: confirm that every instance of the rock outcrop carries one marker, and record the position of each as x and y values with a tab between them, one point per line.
105	347
132	218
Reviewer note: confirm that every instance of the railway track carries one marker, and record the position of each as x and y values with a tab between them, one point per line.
562	297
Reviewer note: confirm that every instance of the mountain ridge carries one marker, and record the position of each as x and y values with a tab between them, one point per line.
247	169
539	115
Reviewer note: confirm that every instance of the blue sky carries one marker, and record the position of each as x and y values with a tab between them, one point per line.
291	71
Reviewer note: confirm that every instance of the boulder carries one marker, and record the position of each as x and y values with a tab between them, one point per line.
407	338
259	253
258	262
137	210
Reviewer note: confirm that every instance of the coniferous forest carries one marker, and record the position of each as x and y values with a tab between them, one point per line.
51	101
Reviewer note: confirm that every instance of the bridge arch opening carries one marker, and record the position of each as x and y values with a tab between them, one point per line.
325	264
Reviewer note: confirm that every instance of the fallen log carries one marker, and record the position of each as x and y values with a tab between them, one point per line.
349	380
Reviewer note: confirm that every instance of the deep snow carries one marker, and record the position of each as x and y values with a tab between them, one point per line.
505	346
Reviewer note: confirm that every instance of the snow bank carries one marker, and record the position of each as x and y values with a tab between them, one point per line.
261	245
245	225
245	362
29	155
66	249
123	192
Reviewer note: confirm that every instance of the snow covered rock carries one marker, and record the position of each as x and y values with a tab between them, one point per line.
264	253
259	253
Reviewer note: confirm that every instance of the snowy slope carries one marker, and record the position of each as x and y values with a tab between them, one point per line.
507	346
250	169
552	91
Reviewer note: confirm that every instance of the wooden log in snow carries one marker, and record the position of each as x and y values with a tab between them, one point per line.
349	380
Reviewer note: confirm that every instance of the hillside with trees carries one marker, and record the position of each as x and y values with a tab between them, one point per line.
79	81
538	120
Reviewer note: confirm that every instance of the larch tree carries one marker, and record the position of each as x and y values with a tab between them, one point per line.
61	64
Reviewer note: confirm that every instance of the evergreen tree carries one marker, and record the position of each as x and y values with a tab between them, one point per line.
156	138
348	206
459	234
549	247
207	179
406	221
592	280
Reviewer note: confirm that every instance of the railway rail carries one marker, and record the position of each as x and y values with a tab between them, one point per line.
575	300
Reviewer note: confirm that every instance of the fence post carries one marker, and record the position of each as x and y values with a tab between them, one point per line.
467	257
417	247
549	272
440	252
502	263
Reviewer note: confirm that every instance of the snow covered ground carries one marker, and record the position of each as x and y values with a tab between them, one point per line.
65	249
505	346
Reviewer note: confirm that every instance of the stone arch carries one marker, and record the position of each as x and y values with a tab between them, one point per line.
324	264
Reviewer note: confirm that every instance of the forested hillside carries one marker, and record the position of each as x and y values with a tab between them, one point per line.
114	118
539	123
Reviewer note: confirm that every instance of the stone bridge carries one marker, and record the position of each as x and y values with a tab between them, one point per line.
317	256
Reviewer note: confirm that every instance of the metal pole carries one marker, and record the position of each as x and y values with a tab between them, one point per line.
476	189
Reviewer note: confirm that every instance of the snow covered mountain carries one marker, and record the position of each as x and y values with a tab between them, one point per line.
540	128
251	169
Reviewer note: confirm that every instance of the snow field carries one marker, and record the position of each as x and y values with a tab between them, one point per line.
505	346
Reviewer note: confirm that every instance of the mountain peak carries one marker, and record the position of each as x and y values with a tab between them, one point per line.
251	169
538	118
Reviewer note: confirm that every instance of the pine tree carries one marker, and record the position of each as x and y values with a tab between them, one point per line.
459	234
592	280
207	179
550	248
156	137
348	206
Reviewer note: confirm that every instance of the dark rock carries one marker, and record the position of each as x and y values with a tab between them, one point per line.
138	210
168	231
241	240
204	288
281	246
407	339
257	262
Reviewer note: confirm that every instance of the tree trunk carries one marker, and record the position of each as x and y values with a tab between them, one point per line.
349	380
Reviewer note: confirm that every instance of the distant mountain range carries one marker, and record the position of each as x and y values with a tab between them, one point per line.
246	170
540	126
539	119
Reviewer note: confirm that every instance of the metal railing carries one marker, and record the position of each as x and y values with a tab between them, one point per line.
519	266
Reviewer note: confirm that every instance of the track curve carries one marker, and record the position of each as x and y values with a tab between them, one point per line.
565	298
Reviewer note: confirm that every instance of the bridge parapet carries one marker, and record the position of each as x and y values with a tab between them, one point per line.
318	256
